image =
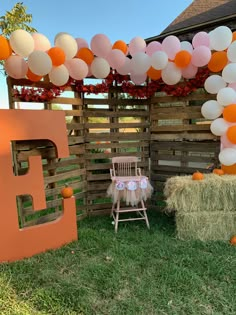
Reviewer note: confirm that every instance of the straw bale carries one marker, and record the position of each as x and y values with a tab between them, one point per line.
205	226
212	194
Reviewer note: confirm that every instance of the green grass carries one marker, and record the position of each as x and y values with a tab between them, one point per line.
134	272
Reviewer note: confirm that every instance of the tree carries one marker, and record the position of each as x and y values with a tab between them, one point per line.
15	19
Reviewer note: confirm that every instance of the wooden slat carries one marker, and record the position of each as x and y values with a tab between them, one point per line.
179	128
106	113
116	125
117	136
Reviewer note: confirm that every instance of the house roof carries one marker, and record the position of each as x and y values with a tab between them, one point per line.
200	14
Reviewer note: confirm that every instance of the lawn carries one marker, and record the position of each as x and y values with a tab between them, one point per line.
134	272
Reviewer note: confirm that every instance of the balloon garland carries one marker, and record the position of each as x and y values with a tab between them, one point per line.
174	67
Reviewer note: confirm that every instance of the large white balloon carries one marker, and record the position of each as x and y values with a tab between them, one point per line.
59	75
171	74
226	96
41	42
211	109
100	68
214	83
67	43
159	60
220	38
140	63
219	127
229	73
22	43
39	62
137	44
228	156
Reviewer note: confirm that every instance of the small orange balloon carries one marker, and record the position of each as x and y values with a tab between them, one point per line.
154	74
229	113
121	45
33	77
182	59
86	55
5	48
218	61
231	134
57	56
231	169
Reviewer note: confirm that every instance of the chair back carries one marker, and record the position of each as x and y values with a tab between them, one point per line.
125	166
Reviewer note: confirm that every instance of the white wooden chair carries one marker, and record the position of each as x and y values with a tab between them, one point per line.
126	185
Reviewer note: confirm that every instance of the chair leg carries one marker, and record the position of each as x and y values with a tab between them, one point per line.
145	214
117	215
112	209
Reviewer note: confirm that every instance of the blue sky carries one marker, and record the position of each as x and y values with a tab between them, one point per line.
123	19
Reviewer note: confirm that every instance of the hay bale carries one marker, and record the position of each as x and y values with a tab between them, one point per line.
205	209
205	226
214	193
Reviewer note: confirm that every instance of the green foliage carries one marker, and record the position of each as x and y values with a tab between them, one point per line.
136	271
16	18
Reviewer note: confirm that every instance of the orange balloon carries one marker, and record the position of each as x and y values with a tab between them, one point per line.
57	56
231	169
231	134
121	45
218	61
86	55
234	36
182	59
154	74
33	77
5	48
229	113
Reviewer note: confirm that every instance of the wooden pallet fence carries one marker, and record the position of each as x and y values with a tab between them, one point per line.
57	172
114	126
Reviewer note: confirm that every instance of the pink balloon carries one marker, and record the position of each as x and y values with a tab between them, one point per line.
137	44
201	56
101	45
138	78
77	68
201	39
82	43
16	67
116	58
41	42
171	45
189	72
152	47
232	85
126	68
226	143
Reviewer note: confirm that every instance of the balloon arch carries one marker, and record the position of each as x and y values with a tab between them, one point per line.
209	61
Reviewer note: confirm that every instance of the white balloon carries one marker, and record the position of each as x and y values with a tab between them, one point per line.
171	74
226	96
140	63
126	68
159	60
100	68
229	73
211	109
219	127
59	75
231	52
227	156
214	83
186	46
22	43
39	62
220	38
67	43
